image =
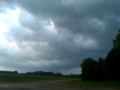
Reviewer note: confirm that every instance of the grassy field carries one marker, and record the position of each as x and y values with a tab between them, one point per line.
70	81
26	78
106	84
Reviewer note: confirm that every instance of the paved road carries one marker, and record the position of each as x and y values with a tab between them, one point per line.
49	85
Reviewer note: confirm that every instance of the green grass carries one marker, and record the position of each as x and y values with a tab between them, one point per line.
105	84
26	78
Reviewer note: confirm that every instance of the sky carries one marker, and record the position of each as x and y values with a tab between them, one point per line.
55	35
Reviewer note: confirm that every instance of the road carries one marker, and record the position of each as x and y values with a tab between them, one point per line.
48	85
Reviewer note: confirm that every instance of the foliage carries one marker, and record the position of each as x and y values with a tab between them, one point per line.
113	61
88	66
92	70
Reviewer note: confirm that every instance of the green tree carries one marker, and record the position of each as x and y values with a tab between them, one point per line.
99	70
88	68
112	61
116	41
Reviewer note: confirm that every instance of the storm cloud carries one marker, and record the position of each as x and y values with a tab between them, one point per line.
55	35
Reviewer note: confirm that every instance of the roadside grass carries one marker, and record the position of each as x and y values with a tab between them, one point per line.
26	78
105	84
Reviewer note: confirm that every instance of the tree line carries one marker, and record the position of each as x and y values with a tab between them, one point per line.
8	72
103	69
40	73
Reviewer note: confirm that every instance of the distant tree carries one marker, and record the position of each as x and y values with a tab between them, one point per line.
8	72
59	74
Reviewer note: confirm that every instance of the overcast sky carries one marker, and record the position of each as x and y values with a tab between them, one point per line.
55	35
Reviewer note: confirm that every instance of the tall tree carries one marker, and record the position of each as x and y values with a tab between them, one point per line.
99	70
116	41
113	60
88	66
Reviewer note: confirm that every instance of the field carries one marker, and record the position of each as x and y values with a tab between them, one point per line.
26	78
34	82
106	84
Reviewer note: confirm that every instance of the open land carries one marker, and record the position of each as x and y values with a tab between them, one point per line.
45	83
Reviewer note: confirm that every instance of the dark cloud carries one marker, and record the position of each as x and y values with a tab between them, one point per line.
54	35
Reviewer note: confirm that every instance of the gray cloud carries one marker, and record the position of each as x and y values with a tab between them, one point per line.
56	35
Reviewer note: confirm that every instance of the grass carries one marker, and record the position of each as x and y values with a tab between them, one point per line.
75	82
26	78
105	84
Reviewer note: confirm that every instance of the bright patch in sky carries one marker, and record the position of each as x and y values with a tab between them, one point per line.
3	28
8	19
50	27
